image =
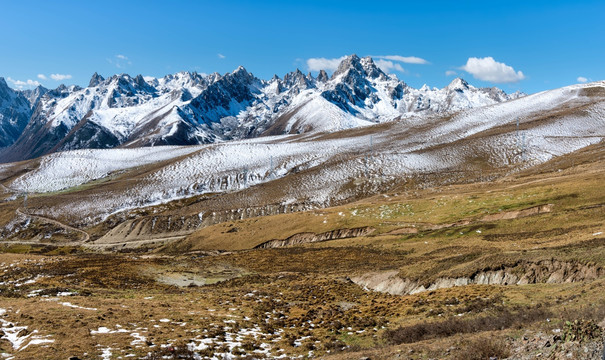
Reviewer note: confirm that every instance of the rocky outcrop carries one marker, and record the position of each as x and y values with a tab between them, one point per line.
523	273
304	238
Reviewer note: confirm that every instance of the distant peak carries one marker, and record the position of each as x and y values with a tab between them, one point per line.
140	80
95	80
323	76
240	69
370	68
458	84
350	62
367	59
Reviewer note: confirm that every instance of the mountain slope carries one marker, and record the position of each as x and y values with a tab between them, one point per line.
14	114
319	169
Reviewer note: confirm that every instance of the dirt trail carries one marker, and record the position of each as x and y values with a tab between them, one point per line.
85	235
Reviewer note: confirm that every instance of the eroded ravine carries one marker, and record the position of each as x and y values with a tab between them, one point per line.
522	273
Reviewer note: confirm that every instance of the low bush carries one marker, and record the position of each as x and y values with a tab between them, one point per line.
503	319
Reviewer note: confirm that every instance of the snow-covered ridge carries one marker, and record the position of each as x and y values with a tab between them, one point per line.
190	108
322	164
72	168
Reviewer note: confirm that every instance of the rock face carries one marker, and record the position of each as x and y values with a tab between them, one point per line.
190	108
304	238
548	271
15	112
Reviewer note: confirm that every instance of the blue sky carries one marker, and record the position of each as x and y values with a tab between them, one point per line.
516	45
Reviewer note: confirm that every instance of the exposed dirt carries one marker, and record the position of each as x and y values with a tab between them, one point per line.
305	238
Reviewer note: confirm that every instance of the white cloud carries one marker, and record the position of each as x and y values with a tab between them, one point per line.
582	79
60	77
451	73
42	77
21	84
488	69
122	57
388	66
220	56
403	59
316	64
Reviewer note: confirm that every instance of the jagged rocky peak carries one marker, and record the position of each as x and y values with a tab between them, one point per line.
355	66
95	80
140	80
371	70
214	77
3	84
15	110
458	84
239	75
34	96
141	84
297	78
322	76
352	62
60	92
240	71
5	91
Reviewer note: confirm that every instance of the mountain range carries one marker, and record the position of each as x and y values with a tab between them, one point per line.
190	108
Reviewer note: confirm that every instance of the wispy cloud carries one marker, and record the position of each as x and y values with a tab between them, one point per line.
582	79
488	69
388	66
21	84
42	77
451	73
403	59
120	61
60	77
220	56
316	64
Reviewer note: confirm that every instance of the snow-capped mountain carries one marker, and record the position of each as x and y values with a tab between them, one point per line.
34	96
15	112
318	170
189	108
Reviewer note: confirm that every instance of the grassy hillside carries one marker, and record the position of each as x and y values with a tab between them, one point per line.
304	301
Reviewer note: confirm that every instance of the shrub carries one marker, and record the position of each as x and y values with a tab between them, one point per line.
581	330
482	349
